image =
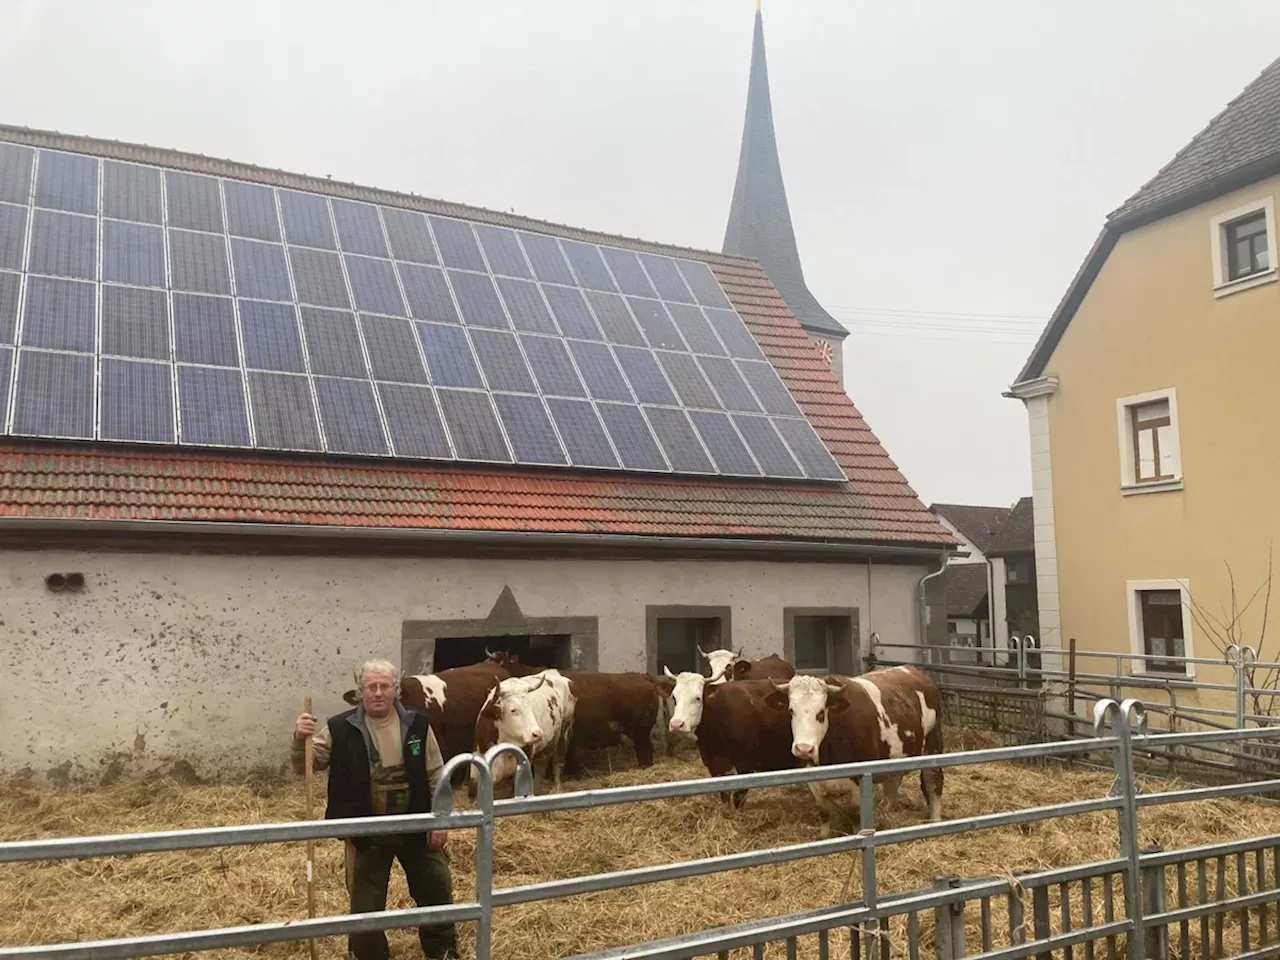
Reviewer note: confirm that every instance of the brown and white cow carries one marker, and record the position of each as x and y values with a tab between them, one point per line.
536	713
772	667
736	730
880	715
452	700
719	662
511	663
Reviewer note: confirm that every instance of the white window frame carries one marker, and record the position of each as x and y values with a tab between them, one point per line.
1137	645
1129	483
1223	287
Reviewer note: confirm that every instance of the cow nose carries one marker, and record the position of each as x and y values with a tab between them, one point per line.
675	725
535	736
803	750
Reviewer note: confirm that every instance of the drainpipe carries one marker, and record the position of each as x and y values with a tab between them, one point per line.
922	607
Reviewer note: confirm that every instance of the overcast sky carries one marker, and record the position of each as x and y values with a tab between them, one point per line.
948	163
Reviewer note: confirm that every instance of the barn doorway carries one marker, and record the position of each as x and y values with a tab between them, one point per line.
538	650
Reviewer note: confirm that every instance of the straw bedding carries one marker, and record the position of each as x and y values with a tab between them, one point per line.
115	897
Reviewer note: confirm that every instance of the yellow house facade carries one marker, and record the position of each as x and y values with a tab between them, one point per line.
1153	400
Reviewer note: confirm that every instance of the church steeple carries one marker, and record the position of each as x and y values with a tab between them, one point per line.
759	218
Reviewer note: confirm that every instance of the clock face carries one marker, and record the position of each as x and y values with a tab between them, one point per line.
824	347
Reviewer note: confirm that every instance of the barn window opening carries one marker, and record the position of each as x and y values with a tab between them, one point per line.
820	641
678	640
543	651
1163	635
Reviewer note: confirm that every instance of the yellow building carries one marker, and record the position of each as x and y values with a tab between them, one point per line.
1152	398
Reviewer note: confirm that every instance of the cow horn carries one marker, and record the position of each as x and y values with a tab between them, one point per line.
739	653
541	681
702	652
719	673
784	685
667	671
834	687
489	654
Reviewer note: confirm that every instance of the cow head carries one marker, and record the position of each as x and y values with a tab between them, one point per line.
718	661
741	669
811	701
515	719
688	691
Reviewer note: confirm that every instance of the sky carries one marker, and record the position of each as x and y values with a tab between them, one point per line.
948	164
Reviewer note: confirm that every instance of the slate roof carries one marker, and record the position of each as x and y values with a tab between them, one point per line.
109	481
966	589
1246	131
759	224
977	524
1018	533
1239	146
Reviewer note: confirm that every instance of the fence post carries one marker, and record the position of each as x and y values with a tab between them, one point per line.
866	827
1153	903
1241	657
1040	926
1125	787
948	923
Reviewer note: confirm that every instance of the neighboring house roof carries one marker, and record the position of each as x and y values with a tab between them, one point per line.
759	217
1018	533
977	524
1239	146
41	479
966	589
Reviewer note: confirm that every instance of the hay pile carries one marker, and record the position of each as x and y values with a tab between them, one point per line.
114	897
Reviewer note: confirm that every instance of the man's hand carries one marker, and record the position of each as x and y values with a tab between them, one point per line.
436	839
305	727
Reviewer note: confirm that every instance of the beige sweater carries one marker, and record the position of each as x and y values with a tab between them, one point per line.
386	738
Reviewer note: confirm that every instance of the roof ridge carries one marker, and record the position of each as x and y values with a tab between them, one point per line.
1214	121
239	170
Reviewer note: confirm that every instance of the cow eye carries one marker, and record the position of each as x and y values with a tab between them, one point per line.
822	716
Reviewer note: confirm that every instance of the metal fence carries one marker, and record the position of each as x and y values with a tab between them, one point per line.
1148	898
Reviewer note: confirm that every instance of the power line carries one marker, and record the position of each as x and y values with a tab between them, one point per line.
948	314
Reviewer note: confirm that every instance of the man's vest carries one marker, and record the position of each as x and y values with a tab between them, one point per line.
350	790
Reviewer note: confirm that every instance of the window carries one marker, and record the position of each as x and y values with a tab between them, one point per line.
1247	246
820	639
1244	241
1150	450
675	633
1159	626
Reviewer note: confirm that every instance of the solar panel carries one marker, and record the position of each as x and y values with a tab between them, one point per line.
211	407
131	192
54	396
251	211
64	245
359	228
284	416
349	414
136	401
133	253
311	323
533	438
135	323
204	330
6	373
15	172
194	201
333	343
10	288
59	314
13	236
261	272
583	435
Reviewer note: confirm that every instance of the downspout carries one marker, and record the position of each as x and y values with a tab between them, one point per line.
922	608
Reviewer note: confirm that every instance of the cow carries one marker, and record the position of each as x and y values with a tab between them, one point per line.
772	667
452	700
884	714
536	713
719	662
735	729
511	663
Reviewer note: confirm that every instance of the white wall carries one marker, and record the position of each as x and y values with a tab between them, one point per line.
167	657
975	555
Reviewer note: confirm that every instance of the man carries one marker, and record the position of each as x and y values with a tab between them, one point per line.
383	759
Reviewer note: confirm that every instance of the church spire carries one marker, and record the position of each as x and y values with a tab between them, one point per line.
759	218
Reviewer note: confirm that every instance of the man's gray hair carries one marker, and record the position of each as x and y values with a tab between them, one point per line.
377	667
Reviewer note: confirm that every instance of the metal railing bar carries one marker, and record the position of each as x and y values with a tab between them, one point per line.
1208	793
166	943
989	821
1191	854
69	848
1260	734
580	799
1054	651
1056	942
1223	905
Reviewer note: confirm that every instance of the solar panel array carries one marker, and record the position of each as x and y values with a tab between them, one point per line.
151	305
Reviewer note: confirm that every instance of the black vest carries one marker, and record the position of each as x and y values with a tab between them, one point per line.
350	782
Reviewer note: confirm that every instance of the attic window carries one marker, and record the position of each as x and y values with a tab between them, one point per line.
1244	247
1247	252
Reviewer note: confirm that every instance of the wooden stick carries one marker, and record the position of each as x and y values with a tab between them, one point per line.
311	860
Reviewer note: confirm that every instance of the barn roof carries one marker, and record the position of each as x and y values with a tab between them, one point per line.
59	479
